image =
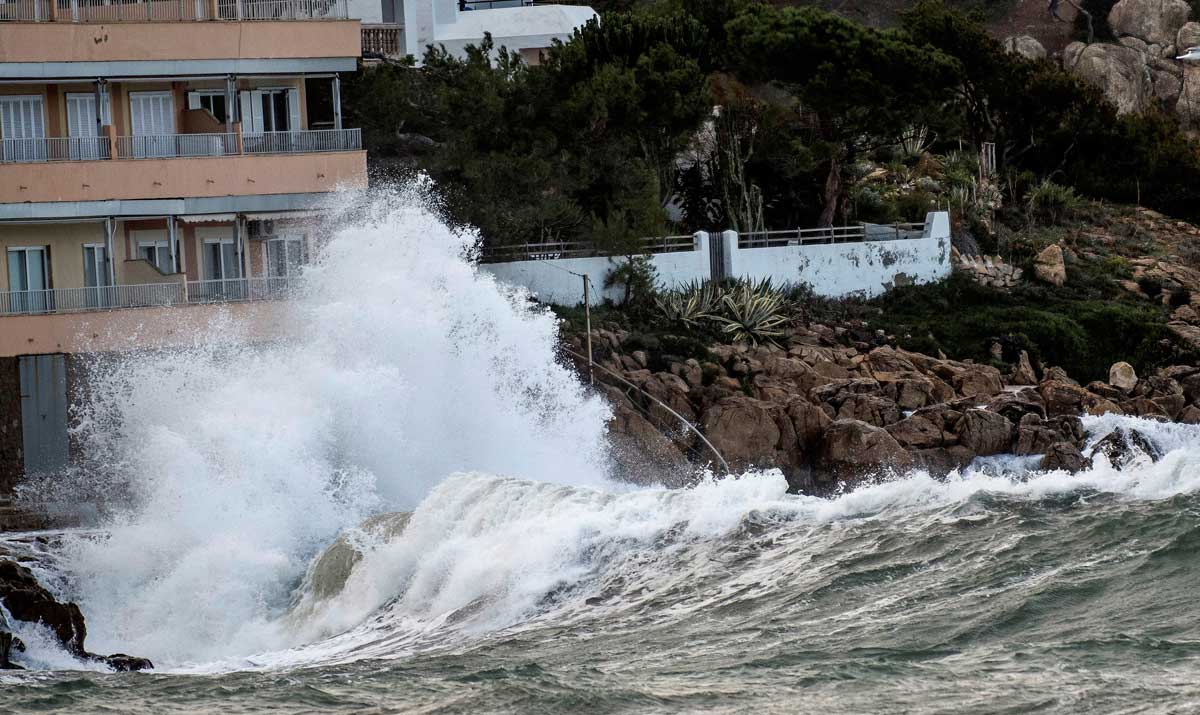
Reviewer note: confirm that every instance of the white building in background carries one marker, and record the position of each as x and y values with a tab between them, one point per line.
395	28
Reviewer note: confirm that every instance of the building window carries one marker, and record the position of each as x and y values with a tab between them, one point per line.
28	280
158	253
285	255
221	260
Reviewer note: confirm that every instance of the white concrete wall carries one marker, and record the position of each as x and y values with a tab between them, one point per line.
866	269
839	270
552	281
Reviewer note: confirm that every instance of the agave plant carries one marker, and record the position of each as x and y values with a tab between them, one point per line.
754	312
691	304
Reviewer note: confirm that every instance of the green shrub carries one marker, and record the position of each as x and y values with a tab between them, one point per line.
1051	203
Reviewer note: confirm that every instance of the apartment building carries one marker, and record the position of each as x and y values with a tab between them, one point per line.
166	151
159	160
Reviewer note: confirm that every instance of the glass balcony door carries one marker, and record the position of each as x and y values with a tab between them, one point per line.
95	275
29	280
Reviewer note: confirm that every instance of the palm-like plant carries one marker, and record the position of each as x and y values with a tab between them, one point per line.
754	312
690	304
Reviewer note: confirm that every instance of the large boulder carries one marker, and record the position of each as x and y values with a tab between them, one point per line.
853	449
1123	377
1064	456
984	432
1122	446
1063	398
1188	36
1026	46
743	430
1049	265
1120	72
1155	22
26	600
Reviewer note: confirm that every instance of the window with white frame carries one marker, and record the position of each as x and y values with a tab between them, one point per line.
221	259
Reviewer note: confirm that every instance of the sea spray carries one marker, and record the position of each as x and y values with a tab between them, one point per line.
241	460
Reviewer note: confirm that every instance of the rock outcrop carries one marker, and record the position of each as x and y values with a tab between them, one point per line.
26	600
1026	46
1154	22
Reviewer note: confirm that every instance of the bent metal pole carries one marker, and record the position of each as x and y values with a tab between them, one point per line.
660	403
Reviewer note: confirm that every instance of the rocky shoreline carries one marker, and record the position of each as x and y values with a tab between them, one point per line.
832	406
28	601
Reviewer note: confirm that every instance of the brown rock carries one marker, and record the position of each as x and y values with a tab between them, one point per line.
743	430
1023	373
872	409
809	423
920	432
1063	398
1064	456
1057	374
984	433
854	449
1190	415
978	381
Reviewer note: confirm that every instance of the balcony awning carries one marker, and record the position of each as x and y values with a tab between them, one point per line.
276	215
207	218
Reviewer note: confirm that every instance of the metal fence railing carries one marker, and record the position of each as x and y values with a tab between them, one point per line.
239	289
97	11
673	244
282	9
832	234
160	146
25	10
74	300
579	249
303	142
167	146
54	148
383	40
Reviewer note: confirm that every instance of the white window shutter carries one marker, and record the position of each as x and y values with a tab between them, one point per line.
193	100
293	96
246	111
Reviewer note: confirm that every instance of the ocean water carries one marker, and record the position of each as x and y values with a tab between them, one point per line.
407	508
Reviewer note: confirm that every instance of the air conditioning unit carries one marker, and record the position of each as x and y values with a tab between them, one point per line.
261	229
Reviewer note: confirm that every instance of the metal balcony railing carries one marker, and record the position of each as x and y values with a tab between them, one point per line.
170	146
76	300
176	145
383	40
579	249
54	148
97	11
239	289
303	142
832	234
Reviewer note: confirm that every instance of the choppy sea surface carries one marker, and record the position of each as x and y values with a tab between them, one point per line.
407	508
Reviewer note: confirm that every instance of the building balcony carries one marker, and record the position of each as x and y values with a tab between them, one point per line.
380	40
164	38
172	292
107	11
184	165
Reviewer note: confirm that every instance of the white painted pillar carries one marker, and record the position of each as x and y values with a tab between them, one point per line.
729	255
